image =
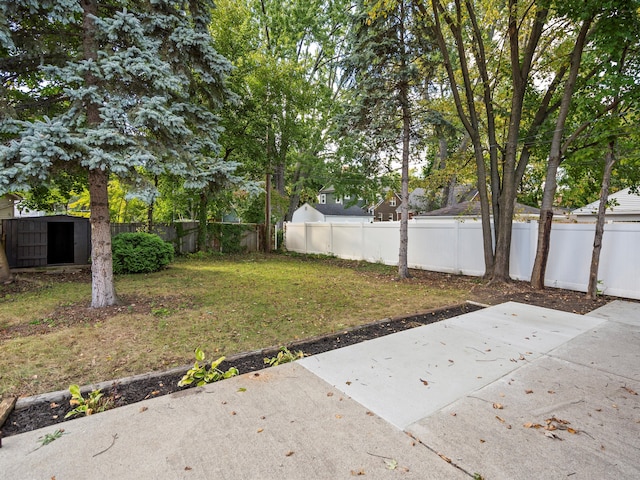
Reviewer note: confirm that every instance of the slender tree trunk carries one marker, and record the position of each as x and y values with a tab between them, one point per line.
403	265
267	214
151	208
202	221
555	157
294	198
103	292
102	287
610	160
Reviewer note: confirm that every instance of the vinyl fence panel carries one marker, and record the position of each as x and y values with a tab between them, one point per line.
454	246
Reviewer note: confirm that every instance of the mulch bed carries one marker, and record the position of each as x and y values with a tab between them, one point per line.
50	412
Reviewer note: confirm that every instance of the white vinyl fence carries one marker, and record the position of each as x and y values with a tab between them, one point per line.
455	246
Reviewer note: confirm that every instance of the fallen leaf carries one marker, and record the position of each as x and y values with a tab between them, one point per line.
501	420
260	430
498	406
242	389
338	416
528	391
155	392
391	464
289	453
357	473
572	431
143	409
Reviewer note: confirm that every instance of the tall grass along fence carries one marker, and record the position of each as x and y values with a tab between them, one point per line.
455	246
223	237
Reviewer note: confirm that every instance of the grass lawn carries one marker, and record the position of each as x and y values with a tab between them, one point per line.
224	305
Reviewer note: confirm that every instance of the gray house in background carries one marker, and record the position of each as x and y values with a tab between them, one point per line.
331	208
623	206
47	241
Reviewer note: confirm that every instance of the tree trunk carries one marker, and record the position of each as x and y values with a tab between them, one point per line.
202	221
102	287
403	265
555	157
267	214
610	160
403	91
5	272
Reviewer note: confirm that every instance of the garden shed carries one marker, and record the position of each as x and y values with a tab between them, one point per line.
47	241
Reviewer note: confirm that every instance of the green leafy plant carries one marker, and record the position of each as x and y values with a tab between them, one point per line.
94	403
139	252
284	356
203	374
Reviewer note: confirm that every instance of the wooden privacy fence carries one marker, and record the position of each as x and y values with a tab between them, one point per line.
224	237
455	246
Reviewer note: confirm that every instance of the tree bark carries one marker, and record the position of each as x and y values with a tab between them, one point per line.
403	264
555	157
102	287
610	160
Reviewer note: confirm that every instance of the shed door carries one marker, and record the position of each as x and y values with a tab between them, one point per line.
32	243
60	243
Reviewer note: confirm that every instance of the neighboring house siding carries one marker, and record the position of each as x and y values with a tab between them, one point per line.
387	210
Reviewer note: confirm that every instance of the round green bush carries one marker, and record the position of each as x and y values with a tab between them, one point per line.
140	253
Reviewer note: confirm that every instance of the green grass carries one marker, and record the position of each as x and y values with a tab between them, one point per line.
224	305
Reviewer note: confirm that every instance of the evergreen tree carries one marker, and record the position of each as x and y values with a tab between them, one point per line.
109	88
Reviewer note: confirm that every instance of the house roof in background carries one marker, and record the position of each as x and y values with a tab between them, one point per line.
627	203
339	209
472	208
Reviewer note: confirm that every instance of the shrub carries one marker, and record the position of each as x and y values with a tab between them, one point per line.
140	253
